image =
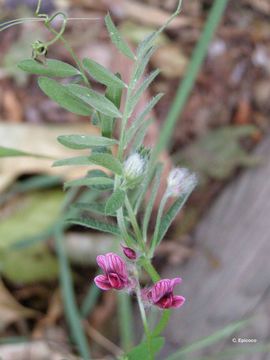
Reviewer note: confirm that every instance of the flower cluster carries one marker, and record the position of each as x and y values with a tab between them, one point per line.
115	272
180	182
116	277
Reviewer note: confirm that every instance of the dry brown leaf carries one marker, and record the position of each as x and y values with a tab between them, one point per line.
260	5
12	106
10	310
170	60
39	139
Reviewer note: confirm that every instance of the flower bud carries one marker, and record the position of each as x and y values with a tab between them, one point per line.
130	253
134	167
180	181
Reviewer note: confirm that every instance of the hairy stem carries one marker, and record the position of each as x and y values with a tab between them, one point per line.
134	223
145	323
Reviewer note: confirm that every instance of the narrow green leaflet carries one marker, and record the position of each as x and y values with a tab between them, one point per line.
78	142
96	100
115	201
108	161
50	68
168	218
89	181
138	93
78	160
145	45
137	122
209	340
143	63
141	350
10	152
60	94
96	208
114	94
152	198
117	38
101	74
96	173
139	136
95	224
102	159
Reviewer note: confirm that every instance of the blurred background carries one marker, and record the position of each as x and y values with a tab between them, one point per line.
219	244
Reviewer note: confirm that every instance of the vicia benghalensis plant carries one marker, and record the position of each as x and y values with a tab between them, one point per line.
129	170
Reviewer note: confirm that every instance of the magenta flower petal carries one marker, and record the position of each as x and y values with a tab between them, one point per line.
178	301
116	264
115	272
116	282
102	282
102	262
174	282
161	294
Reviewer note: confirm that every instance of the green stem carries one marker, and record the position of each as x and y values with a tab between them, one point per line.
123	125
145	324
122	227
149	268
166	314
134	223
159	215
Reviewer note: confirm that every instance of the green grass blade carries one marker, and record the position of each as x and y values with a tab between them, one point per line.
90	300
233	352
186	85
11	152
209	340
71	309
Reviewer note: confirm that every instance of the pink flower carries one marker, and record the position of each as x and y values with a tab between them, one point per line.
130	253
115	272
161	294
